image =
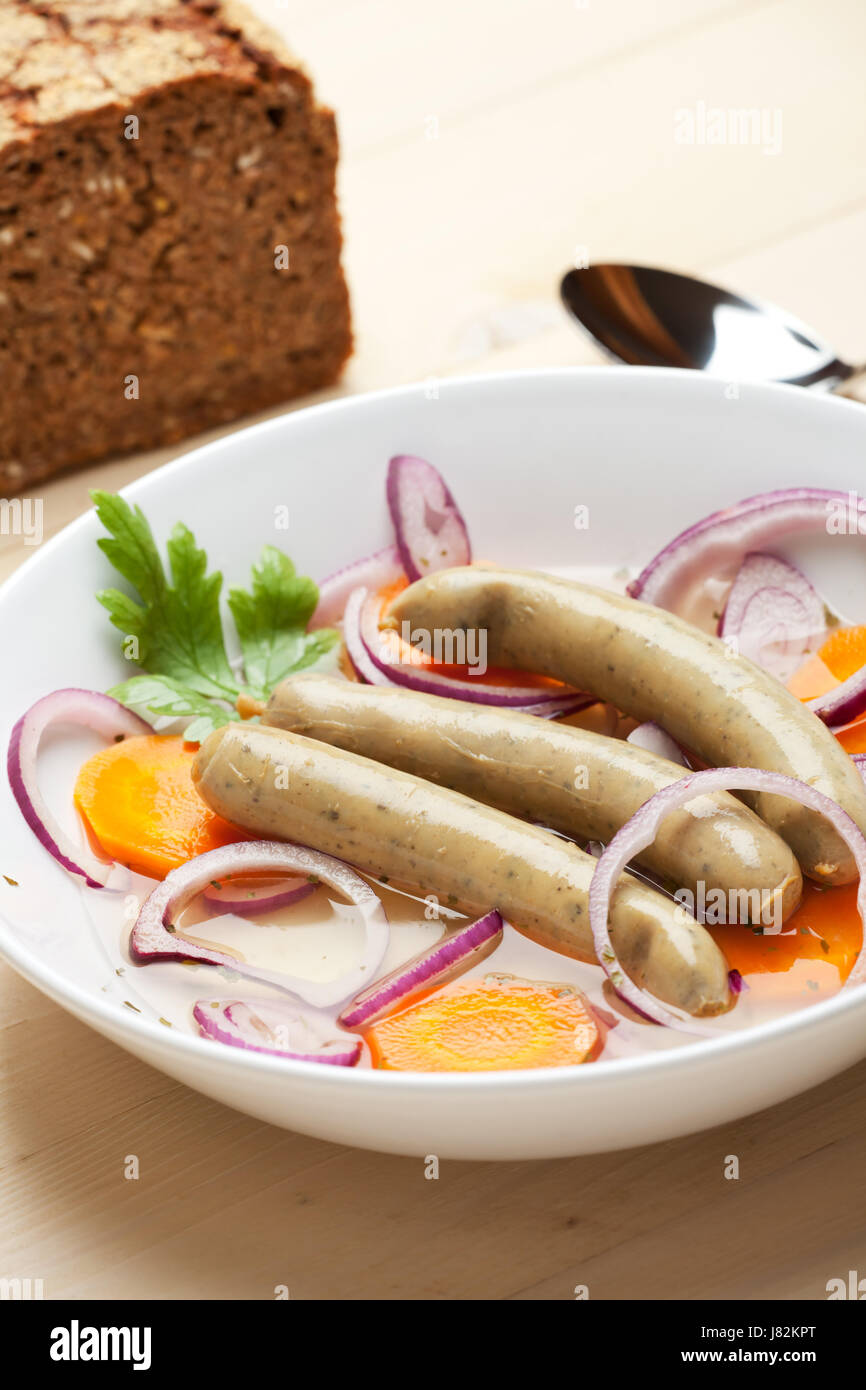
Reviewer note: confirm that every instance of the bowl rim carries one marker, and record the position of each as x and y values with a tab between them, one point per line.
621	1070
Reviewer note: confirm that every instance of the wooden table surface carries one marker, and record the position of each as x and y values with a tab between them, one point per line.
486	145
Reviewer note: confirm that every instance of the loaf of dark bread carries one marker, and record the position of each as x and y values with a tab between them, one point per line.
169	235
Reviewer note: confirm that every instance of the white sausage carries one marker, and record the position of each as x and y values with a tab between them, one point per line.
283	786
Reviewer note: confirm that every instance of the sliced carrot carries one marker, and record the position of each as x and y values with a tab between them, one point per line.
812	679
497	1023
826	926
816	678
853	736
844	652
139	803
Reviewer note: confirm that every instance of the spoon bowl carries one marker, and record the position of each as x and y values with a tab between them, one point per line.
648	317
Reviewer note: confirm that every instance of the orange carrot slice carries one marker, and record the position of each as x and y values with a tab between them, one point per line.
815	677
844	652
139	803
812	679
853	736
826	926
496	1023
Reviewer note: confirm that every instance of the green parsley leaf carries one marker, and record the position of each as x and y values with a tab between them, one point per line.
161	695
271	619
177	625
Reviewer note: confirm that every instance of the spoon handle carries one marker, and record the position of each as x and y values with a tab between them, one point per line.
854	386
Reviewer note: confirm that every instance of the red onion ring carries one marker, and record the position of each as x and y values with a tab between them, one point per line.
241	1025
720	541
361	635
724	538
451	956
641	830
373	572
430	531
843	703
772	605
91	710
151	940
364	665
244	902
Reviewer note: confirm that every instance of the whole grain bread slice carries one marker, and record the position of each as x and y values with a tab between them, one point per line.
169	234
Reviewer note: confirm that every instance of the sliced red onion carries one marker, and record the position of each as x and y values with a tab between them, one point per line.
91	710
430	531
273	1028
374	572
736	982
773	615
653	738
843	703
153	939
720	541
364	665
859	759
450	957
243	901
363	639
639	832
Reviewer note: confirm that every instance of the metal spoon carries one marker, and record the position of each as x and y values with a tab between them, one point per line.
656	318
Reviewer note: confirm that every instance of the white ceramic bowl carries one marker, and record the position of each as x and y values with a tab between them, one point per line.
647	452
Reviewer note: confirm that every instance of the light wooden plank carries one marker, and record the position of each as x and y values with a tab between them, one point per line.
80	1080
386	70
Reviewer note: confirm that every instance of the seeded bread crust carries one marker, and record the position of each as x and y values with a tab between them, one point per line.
169	234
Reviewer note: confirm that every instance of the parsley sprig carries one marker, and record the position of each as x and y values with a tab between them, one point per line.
172	624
